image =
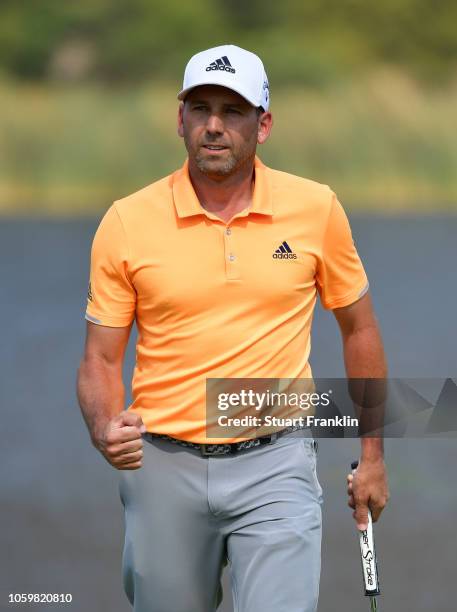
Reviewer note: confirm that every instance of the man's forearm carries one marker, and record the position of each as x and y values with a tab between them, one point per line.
365	360
364	353
100	394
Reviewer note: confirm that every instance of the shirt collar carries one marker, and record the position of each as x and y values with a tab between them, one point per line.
187	204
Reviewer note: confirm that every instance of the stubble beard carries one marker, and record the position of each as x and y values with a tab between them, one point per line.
220	167
217	167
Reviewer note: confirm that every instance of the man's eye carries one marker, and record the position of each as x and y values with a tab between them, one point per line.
199	108
233	111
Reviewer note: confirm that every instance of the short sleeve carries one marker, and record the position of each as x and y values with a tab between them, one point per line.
340	277
111	298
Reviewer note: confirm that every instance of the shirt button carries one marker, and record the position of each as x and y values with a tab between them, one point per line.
228	231
232	257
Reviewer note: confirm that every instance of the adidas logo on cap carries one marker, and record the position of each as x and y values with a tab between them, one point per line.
222	63
284	252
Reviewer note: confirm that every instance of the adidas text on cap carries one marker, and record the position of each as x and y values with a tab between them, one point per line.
232	67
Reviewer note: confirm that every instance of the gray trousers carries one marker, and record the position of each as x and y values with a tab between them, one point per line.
186	516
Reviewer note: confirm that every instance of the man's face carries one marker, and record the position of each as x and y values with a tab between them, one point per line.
220	129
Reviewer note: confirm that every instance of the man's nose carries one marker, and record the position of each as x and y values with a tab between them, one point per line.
215	125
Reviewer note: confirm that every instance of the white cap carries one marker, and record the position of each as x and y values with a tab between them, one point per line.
231	67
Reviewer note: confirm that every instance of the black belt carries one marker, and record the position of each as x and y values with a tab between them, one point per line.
208	450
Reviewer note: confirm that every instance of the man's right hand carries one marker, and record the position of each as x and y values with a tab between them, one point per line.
120	441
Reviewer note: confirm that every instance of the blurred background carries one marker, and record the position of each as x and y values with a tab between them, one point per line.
364	99
364	95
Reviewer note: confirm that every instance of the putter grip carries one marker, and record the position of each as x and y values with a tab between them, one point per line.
368	555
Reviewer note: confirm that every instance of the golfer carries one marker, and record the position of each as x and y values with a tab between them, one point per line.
220	265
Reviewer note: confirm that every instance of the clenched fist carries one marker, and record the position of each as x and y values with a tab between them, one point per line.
120	441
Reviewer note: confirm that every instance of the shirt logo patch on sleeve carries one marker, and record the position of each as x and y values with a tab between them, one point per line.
89	293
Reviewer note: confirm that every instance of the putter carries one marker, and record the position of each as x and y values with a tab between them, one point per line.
368	558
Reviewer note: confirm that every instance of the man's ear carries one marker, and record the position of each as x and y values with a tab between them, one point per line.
265	125
180	120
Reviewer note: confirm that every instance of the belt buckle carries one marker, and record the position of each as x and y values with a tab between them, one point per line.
211	450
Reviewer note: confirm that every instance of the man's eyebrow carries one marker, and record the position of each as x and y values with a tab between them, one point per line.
235	104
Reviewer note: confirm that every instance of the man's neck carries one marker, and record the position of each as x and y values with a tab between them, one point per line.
224	196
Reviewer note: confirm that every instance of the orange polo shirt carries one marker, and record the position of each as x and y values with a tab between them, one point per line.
214	299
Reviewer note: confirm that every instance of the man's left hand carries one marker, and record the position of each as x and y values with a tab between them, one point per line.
368	488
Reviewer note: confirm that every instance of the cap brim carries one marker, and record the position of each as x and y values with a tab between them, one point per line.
183	93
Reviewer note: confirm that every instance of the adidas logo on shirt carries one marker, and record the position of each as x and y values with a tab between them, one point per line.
222	63
284	252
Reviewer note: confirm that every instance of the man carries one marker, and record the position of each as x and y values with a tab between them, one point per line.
220	264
